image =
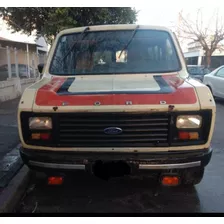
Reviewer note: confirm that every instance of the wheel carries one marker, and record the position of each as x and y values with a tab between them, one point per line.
192	176
211	90
215	98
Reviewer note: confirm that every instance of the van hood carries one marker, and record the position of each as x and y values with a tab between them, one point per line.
111	90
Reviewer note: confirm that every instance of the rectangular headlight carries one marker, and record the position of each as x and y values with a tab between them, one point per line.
189	121
40	123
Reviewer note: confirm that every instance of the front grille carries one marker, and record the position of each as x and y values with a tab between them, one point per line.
87	130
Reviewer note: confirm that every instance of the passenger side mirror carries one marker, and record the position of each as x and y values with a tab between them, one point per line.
40	68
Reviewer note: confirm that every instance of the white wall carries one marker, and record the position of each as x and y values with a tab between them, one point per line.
14	88
41	41
196	53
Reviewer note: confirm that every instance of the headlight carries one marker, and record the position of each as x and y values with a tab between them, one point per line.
189	121
38	123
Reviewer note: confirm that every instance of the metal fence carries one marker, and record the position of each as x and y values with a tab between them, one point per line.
17	63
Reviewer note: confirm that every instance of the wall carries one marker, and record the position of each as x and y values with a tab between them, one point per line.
22	57
14	88
3	56
42	42
190	54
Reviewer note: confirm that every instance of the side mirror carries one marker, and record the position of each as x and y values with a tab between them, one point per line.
40	68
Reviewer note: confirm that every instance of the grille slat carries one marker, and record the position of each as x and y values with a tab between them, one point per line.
124	130
111	136
116	140
84	124
138	130
106	121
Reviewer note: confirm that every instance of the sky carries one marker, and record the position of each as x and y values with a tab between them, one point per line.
154	12
166	12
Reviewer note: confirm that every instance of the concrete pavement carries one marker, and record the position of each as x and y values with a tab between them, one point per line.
10	161
9	137
12	183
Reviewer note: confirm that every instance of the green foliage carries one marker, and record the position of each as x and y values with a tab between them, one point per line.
48	21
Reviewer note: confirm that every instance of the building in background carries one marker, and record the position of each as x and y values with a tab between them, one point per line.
20	59
195	56
42	49
36	52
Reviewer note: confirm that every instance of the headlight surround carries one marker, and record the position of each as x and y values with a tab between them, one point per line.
40	123
189	121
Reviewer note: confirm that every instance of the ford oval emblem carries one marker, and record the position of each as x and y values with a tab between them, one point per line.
112	131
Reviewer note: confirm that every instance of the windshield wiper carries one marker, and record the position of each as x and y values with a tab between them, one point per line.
132	36
73	46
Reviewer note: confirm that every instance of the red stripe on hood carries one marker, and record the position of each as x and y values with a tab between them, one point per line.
183	94
53	85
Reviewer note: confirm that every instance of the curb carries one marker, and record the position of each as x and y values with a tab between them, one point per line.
11	195
10	165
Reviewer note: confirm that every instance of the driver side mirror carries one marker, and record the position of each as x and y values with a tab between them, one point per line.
40	69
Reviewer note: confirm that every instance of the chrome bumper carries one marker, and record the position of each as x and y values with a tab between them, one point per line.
169	166
58	166
141	166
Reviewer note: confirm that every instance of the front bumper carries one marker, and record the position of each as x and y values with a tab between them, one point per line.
69	161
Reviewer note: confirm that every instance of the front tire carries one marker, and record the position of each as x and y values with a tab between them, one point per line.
192	176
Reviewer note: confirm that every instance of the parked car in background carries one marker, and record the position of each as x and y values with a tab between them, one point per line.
197	72
23	71
215	81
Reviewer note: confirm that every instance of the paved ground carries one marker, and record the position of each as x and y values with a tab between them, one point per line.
85	193
10	160
8	126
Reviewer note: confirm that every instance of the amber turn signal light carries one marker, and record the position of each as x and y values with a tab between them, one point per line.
193	135
170	180
35	136
42	136
183	135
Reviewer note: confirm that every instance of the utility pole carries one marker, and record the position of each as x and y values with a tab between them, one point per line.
16	63
28	59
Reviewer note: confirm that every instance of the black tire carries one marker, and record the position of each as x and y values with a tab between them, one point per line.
192	176
211	90
215	98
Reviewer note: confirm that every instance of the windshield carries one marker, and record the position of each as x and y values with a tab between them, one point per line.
104	52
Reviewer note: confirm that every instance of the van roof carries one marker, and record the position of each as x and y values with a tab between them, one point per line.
114	27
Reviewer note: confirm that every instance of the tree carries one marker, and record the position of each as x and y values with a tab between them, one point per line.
207	36
48	21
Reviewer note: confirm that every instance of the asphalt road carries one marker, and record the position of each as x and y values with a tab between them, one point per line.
9	137
84	193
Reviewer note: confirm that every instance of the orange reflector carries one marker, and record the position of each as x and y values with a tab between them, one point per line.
193	135
45	136
183	135
170	180
35	136
55	180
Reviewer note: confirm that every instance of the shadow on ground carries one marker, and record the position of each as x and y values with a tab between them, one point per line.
9	137
85	193
219	101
